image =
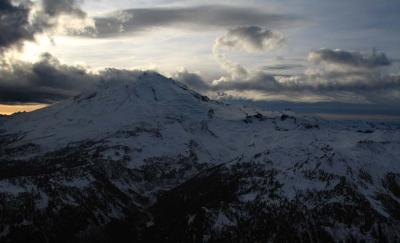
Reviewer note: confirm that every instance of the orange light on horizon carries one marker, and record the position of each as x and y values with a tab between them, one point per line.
10	109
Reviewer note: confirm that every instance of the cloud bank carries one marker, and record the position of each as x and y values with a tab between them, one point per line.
249	38
329	74
46	81
59	7
22	20
49	80
334	75
14	24
348	59
193	17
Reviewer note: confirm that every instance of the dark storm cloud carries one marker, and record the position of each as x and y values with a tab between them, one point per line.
49	80
47	16
209	16
43	82
14	24
192	80
58	7
346	58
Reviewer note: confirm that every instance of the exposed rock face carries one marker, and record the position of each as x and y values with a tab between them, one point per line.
148	160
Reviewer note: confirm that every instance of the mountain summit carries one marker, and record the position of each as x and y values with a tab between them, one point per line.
142	158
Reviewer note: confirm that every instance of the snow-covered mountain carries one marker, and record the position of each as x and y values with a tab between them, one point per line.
145	159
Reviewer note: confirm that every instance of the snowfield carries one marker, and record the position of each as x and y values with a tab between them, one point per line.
145	159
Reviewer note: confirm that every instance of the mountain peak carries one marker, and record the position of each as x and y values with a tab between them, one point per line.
141	86
120	99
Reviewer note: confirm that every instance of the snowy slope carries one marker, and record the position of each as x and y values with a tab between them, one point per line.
137	149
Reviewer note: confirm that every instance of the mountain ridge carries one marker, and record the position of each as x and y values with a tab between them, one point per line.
143	158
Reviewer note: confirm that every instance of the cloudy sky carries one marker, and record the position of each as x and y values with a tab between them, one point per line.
314	56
